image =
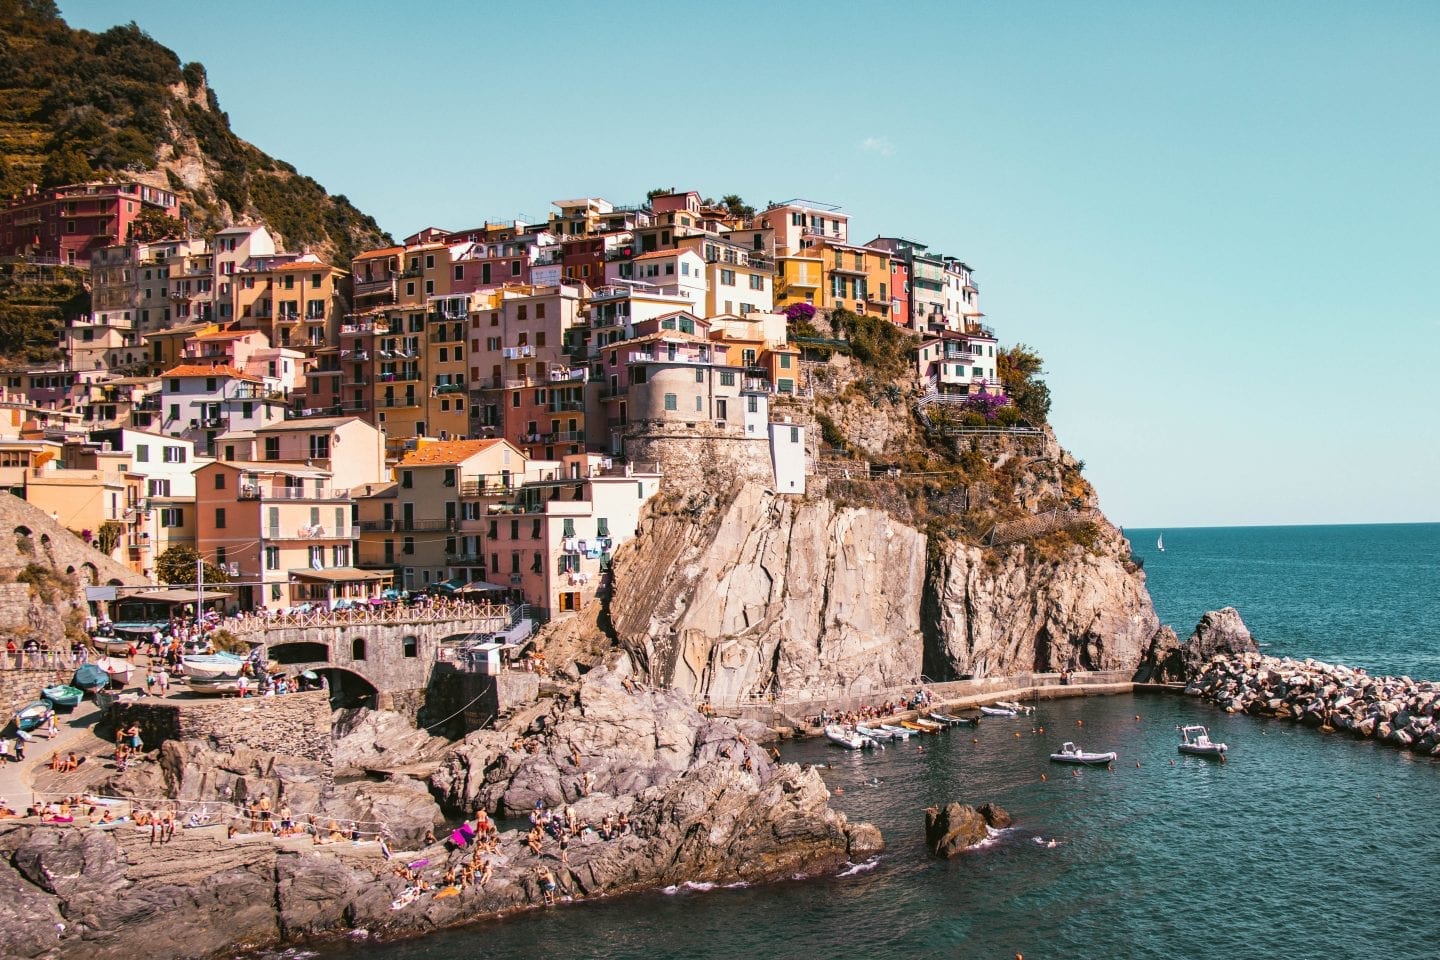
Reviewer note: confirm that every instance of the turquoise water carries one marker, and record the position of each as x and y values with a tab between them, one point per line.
1303	845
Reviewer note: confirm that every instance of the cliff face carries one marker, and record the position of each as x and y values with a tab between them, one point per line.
1010	612
774	593
805	598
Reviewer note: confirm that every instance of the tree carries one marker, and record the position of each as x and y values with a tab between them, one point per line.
153	224
736	206
65	166
177	565
1020	368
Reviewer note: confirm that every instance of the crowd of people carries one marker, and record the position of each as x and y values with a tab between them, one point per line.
861	714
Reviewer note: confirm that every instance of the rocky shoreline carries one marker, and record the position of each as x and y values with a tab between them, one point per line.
1397	711
704	801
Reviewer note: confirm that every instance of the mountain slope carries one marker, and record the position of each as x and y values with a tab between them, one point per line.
76	105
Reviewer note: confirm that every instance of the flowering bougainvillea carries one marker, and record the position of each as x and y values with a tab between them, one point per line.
986	404
800	311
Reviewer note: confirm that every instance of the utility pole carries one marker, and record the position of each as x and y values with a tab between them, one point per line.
199	586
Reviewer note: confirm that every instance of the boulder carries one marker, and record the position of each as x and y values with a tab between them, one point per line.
1163	661
370	739
955	827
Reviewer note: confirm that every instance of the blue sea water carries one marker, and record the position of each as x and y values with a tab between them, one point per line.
1303	845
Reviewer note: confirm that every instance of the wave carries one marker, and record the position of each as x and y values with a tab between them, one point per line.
993	836
851	869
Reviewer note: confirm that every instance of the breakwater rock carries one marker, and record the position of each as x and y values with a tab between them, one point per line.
1395	710
1219	633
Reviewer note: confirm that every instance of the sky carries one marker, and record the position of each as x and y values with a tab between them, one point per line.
1214	221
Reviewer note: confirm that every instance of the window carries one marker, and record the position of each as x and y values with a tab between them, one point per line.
569	528
142	453
794	434
602	527
671	402
514	529
357	648
757	281
430	261
172	517
411	645
408	545
320	446
699	403
785	386
784	361
272	448
727	278
727	378
219	518
449	476
699	375
174	454
272	558
535	528
407	479
219	481
157	488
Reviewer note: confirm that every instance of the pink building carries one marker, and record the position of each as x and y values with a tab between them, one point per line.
67	224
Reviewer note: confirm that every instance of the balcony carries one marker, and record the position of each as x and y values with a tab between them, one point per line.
408	526
755	385
397	402
565	406
266	491
690	358
441	389
399	376
485	487
358	381
517	353
465	559
307	531
566	436
806	280
370	288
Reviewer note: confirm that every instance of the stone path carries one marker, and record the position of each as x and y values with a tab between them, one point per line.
17	779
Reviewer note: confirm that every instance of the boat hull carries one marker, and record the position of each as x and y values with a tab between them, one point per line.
32	715
997	712
90	678
1204	750
63	696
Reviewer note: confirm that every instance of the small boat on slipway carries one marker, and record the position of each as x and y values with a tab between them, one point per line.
1195	740
63	696
33	714
1069	753
838	735
211	666
116	669
90	678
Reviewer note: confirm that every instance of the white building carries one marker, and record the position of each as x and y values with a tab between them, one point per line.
787	456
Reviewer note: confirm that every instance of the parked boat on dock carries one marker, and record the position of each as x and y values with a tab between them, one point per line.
1195	740
116	669
63	696
998	711
837	734
1070	753
1019	708
897	732
33	714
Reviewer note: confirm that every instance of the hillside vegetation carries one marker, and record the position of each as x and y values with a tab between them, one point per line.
76	106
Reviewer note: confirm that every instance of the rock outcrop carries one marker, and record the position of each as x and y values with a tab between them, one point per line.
956	827
775	593
1219	633
703	804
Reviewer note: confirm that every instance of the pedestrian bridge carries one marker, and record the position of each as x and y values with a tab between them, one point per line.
383	657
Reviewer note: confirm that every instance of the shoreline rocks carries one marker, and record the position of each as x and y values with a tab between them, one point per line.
956	827
1219	632
703	803
1397	711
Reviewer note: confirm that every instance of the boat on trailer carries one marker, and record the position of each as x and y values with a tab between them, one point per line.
1070	753
1195	740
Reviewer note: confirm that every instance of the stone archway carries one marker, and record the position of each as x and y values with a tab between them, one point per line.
348	688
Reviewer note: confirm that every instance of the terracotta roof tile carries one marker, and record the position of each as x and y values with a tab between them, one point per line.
446	452
213	370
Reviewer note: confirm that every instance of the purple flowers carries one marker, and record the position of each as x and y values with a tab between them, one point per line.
800	311
985	404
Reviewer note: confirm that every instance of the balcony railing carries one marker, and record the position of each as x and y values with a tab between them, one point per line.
476	487
395	402
698	358
565	406
369	288
408	526
261	491
465	559
308	532
566	436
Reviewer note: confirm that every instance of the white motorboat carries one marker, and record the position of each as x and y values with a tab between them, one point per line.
874	733
1069	753
846	738
118	670
1195	740
997	711
1019	708
898	733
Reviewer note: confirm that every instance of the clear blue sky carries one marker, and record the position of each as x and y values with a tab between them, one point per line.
1215	221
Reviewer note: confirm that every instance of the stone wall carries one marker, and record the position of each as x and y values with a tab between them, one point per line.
28	535
297	724
703	458
19	687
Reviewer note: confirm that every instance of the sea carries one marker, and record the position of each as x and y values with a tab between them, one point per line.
1303	845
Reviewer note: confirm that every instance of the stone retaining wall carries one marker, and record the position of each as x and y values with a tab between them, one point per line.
297	724
19	687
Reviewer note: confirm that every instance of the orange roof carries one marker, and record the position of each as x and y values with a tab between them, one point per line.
657	254
303	265
382	252
445	452
215	370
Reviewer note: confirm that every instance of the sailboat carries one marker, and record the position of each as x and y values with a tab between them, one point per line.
1160	543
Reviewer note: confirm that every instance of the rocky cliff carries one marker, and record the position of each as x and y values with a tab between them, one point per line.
806	598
